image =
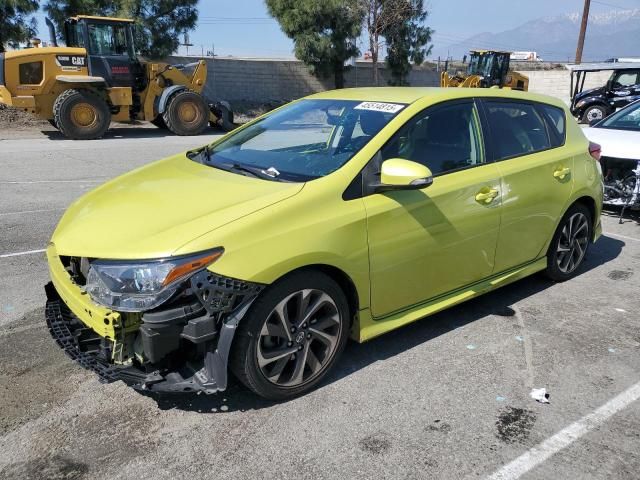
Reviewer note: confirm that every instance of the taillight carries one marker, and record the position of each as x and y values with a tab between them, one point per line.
595	150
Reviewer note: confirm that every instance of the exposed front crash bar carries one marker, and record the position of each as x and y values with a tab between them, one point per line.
91	351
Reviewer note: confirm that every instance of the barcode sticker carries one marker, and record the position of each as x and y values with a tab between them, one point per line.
379	107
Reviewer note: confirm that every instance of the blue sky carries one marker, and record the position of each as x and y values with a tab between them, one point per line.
243	27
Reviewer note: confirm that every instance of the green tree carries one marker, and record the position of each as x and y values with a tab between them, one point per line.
323	32
407	41
15	24
382	16
159	23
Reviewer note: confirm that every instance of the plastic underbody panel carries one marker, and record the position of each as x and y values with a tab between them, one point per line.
180	347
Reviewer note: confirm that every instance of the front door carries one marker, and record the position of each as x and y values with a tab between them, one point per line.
536	171
625	88
111	55
424	243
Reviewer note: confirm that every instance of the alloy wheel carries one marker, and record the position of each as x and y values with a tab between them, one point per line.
299	338
594	114
572	243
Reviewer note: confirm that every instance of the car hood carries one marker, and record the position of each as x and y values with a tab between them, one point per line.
615	143
589	93
153	211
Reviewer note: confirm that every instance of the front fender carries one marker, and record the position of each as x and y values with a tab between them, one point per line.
166	94
314	227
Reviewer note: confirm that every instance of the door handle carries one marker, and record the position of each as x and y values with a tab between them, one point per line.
561	173
486	196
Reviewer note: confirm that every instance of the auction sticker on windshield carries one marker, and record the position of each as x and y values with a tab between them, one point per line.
379	107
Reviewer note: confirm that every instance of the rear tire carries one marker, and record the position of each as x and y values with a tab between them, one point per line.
570	243
81	114
186	114
280	358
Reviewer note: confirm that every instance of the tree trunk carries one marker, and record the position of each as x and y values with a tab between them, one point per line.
338	75
374	66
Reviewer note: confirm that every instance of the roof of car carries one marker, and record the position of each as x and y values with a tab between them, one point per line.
435	94
597	67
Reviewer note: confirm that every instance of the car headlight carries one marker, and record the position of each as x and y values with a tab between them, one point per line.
581	103
136	286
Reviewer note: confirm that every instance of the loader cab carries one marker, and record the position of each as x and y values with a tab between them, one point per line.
491	66
110	48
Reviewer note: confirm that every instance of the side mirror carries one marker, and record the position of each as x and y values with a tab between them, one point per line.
401	174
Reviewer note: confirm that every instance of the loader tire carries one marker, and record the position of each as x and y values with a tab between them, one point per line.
186	113
81	115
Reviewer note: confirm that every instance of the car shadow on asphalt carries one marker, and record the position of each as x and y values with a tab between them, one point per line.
118	133
358	356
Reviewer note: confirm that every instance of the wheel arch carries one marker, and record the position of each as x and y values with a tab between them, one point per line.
588	202
166	94
343	280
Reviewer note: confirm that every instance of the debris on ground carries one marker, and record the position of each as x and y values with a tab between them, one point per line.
540	395
18	119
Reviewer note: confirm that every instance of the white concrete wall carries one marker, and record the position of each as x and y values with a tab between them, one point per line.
263	81
557	83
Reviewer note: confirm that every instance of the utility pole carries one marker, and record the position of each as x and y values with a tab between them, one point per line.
583	30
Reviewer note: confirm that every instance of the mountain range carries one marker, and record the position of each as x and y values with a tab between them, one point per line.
611	34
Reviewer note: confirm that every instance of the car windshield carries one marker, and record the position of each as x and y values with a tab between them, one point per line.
625	119
305	140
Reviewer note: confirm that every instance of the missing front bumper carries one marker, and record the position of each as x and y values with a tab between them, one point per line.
205	374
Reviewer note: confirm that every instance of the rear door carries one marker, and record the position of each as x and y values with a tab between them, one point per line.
526	142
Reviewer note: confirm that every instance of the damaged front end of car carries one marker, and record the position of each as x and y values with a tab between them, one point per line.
180	344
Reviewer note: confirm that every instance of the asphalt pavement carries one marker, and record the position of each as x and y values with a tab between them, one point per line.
446	397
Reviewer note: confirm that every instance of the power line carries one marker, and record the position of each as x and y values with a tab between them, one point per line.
612	5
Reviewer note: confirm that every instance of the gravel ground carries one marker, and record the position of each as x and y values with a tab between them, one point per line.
446	397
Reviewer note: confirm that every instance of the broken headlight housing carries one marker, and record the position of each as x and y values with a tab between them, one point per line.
136	286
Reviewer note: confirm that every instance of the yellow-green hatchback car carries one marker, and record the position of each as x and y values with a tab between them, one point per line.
346	213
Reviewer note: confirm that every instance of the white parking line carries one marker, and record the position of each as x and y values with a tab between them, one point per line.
623	236
32	211
566	436
18	254
29	182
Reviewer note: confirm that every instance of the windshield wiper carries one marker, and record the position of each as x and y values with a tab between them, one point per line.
253	171
199	154
203	155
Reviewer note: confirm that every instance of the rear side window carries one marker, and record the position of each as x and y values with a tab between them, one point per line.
30	73
556	124
516	129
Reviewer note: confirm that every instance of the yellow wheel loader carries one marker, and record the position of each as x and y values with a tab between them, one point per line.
98	78
487	69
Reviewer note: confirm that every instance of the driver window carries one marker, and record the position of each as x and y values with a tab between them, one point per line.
445	139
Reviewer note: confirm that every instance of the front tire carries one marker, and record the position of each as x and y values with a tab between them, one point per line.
292	336
81	115
594	113
570	243
186	114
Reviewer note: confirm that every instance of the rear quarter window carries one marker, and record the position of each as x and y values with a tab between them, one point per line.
556	124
